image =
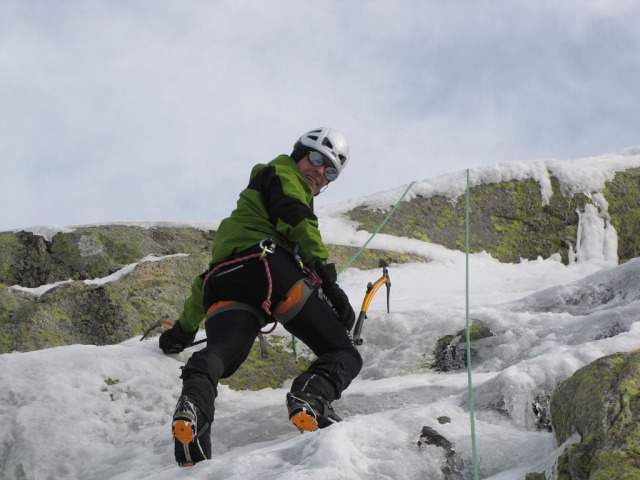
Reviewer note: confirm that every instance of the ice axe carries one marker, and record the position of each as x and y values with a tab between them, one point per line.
372	288
166	323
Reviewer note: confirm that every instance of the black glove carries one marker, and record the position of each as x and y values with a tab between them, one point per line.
336	295
175	339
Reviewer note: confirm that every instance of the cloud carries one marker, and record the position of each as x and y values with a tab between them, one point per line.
157	110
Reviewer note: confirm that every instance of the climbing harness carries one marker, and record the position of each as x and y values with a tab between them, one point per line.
311	274
267	246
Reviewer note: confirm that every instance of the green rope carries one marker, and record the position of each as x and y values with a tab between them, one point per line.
352	259
471	403
295	352
377	230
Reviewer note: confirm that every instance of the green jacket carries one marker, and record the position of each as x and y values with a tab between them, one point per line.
277	204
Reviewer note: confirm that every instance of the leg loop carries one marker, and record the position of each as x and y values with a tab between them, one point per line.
267	246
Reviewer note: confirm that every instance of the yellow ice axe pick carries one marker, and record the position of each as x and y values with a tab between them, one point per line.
372	288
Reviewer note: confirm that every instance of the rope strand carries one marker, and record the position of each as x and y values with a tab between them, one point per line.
377	230
266	305
471	402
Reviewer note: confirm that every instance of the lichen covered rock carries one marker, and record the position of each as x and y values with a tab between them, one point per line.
78	312
511	220
450	353
31	260
600	402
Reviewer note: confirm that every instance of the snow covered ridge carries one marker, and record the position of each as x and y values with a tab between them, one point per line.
48	231
582	209
587	174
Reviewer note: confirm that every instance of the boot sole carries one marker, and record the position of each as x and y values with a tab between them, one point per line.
304	421
183	431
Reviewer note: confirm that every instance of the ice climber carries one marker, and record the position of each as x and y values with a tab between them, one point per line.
268	264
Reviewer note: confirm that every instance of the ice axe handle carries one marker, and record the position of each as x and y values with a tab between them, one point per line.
163	322
357	330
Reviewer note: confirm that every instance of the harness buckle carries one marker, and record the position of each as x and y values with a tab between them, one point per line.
296	257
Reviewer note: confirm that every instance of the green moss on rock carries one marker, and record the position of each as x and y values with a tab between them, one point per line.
624	209
450	352
510	220
10	301
272	371
601	402
9	248
104	314
94	252
369	258
536	476
25	260
30	260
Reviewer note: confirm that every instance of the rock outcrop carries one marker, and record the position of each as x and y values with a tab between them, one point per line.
601	403
512	221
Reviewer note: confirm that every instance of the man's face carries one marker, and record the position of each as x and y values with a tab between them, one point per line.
313	175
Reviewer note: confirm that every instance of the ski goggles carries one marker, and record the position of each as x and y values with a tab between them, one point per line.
318	160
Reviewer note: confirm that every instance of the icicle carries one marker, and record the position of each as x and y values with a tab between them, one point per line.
610	243
590	235
597	239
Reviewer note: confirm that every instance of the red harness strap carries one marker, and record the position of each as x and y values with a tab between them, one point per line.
266	305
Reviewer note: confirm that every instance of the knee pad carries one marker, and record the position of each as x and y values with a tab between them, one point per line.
294	301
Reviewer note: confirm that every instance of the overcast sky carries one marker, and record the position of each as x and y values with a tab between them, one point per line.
156	110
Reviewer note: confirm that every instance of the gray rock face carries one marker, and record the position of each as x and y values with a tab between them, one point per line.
600	402
77	312
30	260
97	314
512	221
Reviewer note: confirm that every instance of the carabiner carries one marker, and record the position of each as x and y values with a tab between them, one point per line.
268	246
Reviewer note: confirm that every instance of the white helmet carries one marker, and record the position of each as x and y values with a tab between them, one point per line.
328	142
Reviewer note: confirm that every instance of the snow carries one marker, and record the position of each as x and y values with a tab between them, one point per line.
88	412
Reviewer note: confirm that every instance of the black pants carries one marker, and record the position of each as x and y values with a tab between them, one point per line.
230	335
